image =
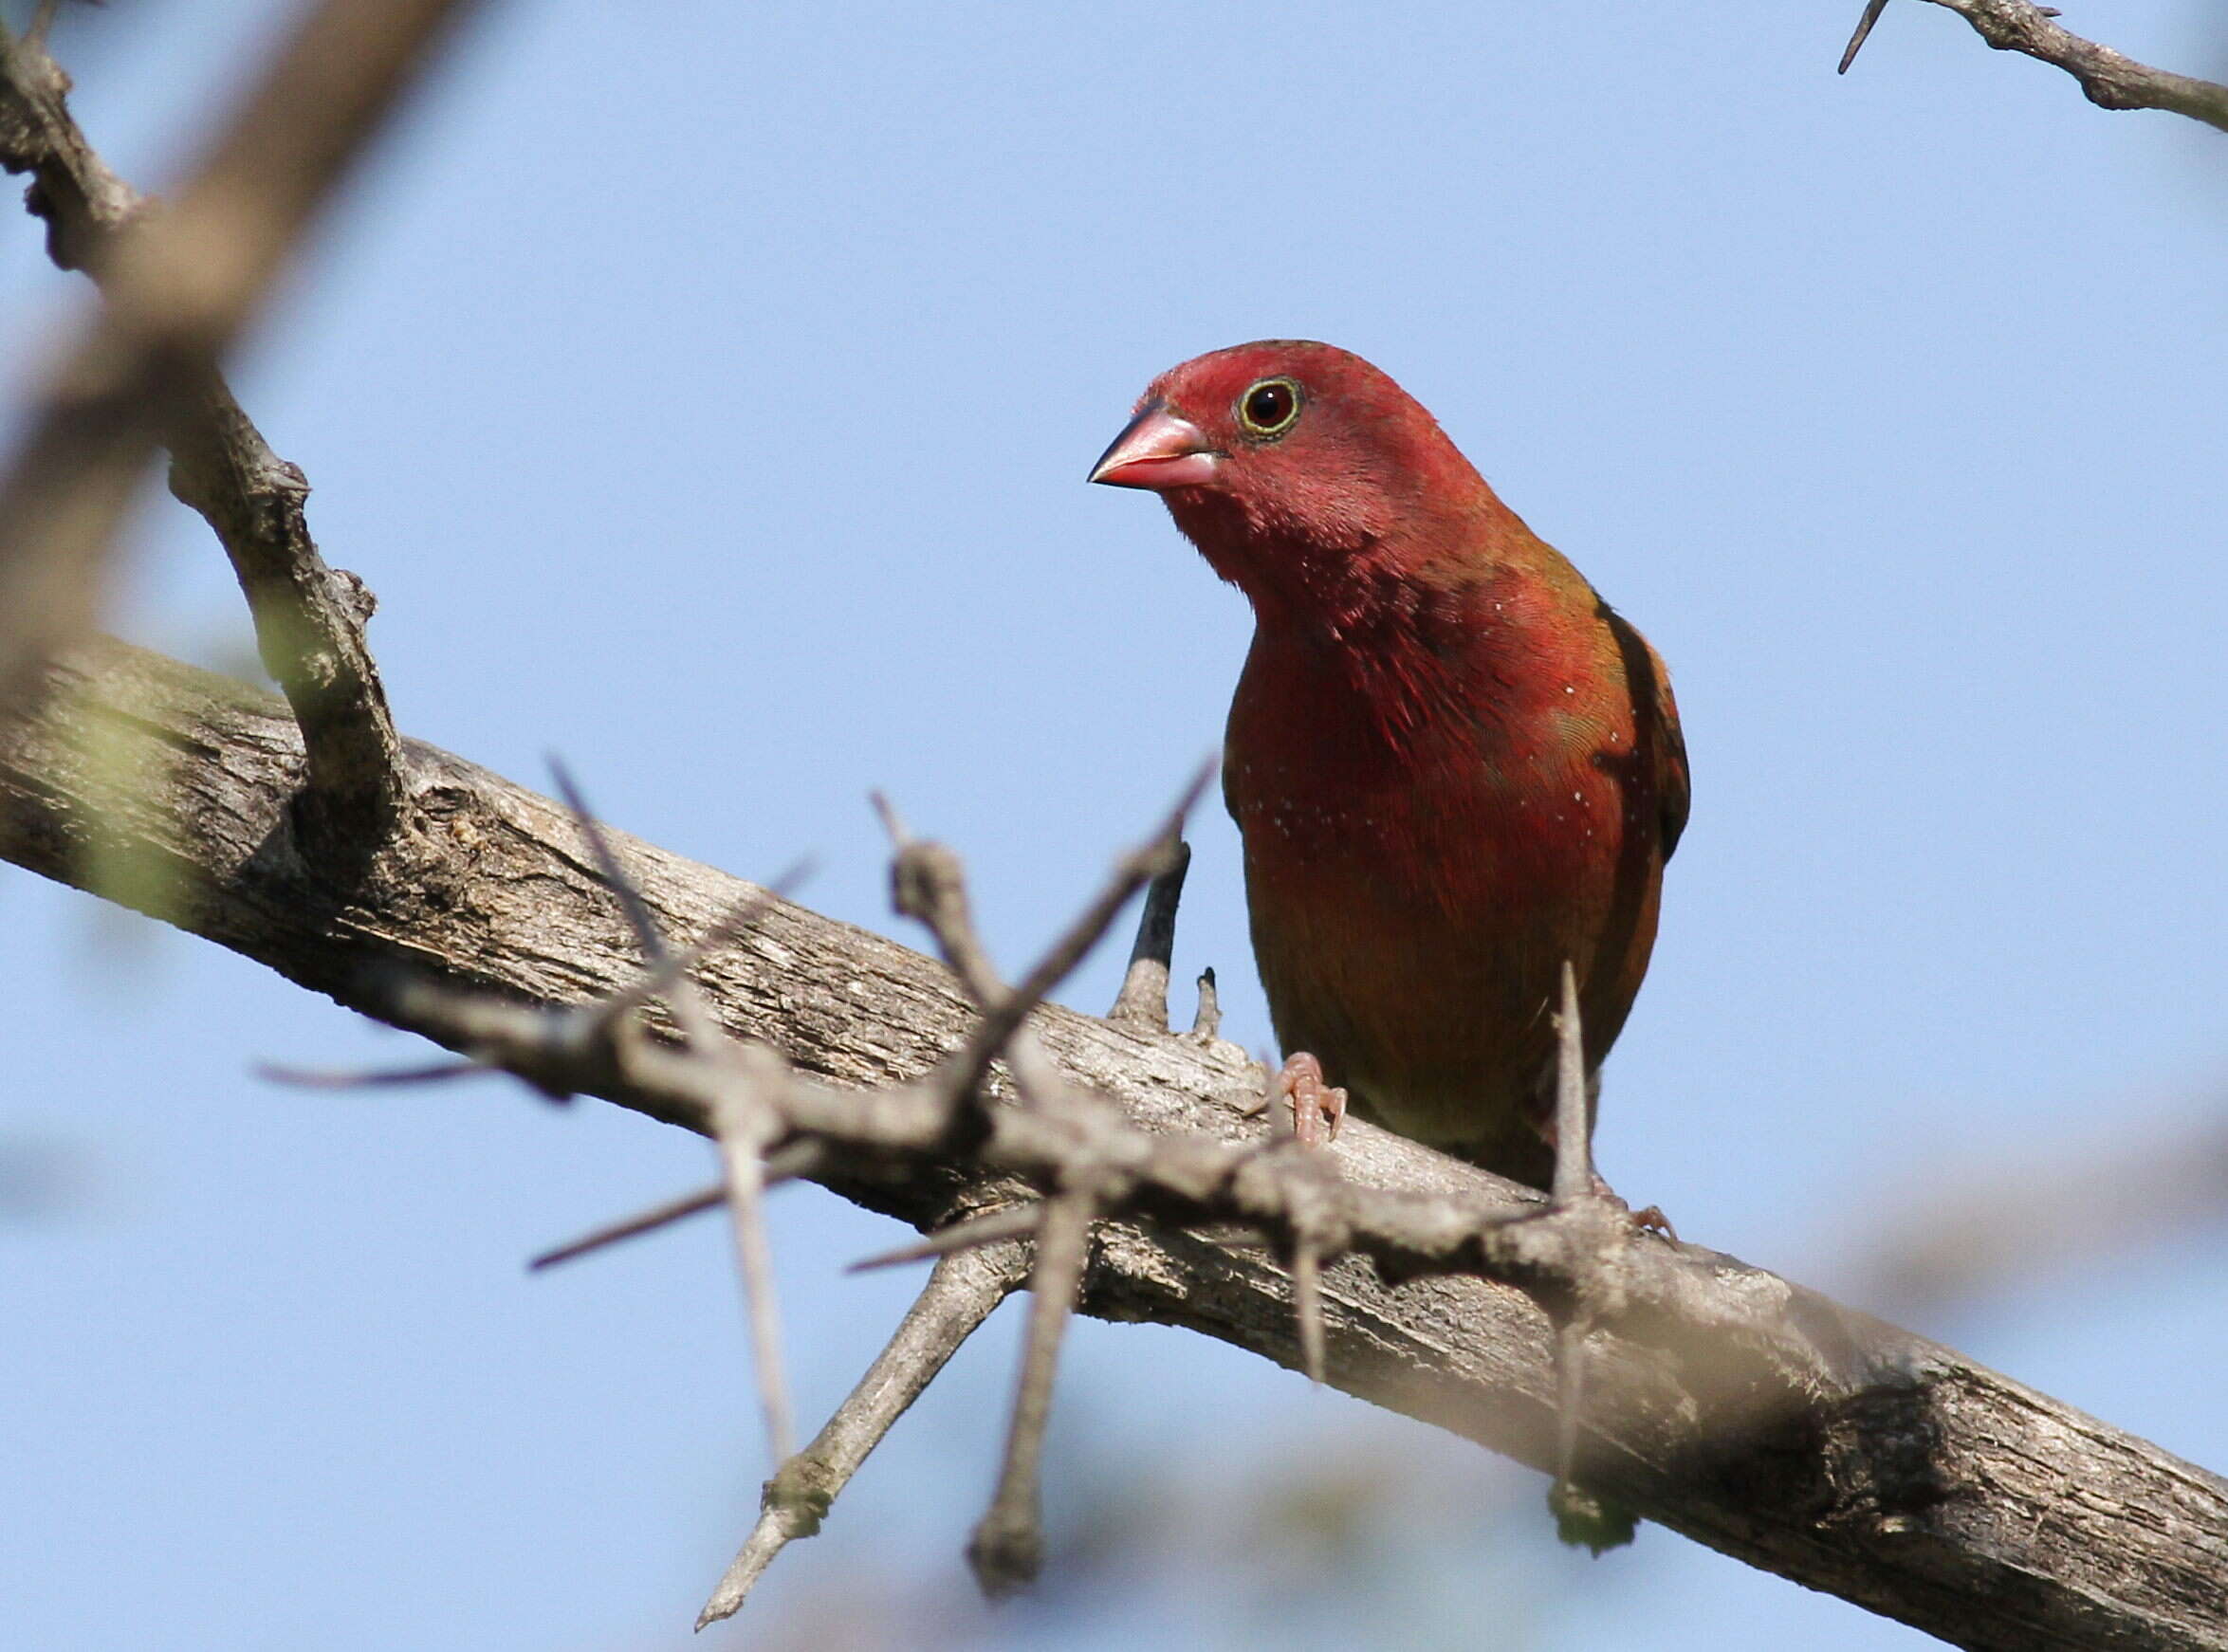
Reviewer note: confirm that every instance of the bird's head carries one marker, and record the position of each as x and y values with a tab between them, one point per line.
1300	471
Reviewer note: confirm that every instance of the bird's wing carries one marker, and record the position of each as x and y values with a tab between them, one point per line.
1655	717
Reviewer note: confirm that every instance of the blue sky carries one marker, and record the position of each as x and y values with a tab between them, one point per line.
707	390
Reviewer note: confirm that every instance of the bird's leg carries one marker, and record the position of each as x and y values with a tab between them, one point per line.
1317	1106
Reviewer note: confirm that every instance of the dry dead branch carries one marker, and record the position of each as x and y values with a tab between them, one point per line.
1723	1401
180	284
2109	79
959	1295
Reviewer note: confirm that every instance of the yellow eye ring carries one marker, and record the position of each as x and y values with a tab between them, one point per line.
1268	408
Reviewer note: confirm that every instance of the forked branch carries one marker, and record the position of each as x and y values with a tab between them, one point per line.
181	283
959	1295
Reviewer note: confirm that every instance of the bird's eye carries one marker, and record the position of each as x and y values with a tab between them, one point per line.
1269	408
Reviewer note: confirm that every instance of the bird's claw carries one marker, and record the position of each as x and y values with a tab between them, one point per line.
1649	1219
1318	1106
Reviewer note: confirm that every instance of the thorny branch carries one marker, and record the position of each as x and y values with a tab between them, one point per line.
1752	1364
743	1129
180	284
1007	1551
658	1216
1005	1221
1581	1258
959	1295
1008	1548
927	883
1723	1402
2111	79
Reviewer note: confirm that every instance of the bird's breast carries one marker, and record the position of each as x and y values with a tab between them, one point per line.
1421	787
1423	849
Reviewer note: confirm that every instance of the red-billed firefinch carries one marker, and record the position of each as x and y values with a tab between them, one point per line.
1453	765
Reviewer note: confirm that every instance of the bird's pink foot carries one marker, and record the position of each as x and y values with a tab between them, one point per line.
1649	1218
1317	1106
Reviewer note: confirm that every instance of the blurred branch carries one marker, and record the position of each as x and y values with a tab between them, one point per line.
180	284
2006	1223
1728	1403
799	1159
927	884
2111	79
740	1124
651	1221
959	1295
1006	1547
1007	1221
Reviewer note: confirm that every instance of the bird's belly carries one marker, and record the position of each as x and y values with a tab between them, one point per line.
1413	937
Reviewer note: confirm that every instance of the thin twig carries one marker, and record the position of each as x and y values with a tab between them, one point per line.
1142	1000
631	905
2016	1217
731	926
743	1127
1315	1225
928	887
1012	1222
181	286
927	884
893	822
2111	80
1307	1306
369	1078
1008	1548
1581	1517
1574	1182
784	1163
959	1296
41	23
1135	870
1864	28
649	1220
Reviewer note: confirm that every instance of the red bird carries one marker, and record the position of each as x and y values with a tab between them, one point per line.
1452	764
